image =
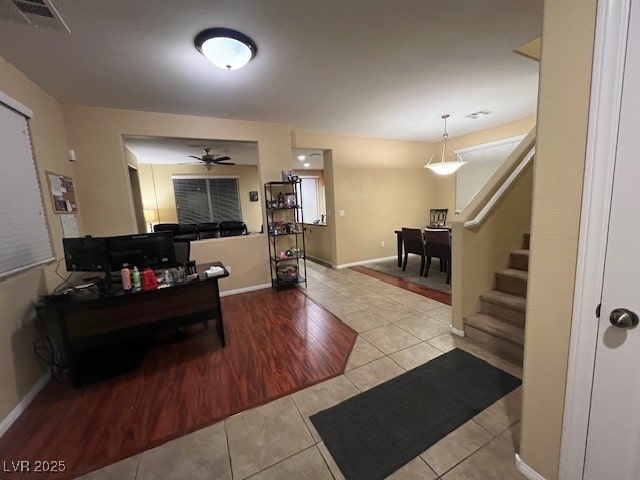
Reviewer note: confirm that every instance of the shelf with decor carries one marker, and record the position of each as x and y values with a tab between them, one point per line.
287	258
283	204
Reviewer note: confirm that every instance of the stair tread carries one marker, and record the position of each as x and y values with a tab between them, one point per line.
512	272
508	300
521	251
497	327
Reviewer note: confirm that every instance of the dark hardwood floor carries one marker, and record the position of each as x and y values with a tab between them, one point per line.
402	283
277	343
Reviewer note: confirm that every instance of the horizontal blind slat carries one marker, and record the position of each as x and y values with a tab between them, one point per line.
25	242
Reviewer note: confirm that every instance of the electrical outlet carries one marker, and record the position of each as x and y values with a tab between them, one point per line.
382	243
228	267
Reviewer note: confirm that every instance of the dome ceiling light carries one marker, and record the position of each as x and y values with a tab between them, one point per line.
225	48
445	167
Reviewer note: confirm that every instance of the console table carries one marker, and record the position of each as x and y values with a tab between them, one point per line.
82	324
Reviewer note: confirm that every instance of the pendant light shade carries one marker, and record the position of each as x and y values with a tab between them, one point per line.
445	167
225	48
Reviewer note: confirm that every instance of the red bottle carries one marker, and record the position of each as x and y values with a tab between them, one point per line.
149	281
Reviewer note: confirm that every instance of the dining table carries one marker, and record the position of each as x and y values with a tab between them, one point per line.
400	242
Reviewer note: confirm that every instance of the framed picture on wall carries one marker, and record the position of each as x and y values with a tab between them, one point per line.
253	195
63	196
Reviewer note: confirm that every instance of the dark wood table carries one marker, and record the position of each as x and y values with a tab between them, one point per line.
87	323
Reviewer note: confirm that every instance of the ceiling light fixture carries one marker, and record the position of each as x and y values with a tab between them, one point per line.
225	48
301	157
445	167
479	113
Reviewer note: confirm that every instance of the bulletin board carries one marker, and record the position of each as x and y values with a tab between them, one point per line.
63	195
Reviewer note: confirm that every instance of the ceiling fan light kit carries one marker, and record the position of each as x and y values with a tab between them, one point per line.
210	160
445	167
226	48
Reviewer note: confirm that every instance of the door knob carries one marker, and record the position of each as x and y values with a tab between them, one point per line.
623	318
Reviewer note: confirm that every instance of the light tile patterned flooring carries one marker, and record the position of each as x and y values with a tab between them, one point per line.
398	330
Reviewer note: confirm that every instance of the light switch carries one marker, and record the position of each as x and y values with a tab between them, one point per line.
341	213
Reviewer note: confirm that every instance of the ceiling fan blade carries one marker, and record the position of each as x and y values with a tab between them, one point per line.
197	158
222	159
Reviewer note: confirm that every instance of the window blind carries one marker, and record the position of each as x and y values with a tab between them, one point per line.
192	200
483	161
206	199
310	204
24	239
225	202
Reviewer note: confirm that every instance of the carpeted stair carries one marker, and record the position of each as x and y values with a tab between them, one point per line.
500	322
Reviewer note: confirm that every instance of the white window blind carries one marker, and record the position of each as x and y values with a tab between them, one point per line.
483	160
24	239
309	187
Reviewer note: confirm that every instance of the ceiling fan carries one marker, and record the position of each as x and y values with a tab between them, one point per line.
210	160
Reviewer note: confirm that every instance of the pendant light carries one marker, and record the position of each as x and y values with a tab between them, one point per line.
445	167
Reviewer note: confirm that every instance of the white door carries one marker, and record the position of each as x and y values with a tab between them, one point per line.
613	439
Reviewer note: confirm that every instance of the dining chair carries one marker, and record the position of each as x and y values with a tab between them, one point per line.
438	244
186	232
413	243
208	230
437	217
164	227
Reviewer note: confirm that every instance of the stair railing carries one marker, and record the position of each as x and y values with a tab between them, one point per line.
488	228
495	198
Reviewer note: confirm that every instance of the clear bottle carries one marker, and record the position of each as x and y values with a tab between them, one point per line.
136	278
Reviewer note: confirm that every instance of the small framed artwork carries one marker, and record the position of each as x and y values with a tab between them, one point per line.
253	195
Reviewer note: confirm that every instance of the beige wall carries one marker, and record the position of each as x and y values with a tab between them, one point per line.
381	186
18	367
318	243
445	186
247	255
567	44
96	135
158	194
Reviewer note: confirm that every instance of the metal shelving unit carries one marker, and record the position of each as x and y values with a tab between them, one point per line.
288	263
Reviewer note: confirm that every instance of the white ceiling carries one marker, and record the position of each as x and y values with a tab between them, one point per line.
160	150
314	157
376	68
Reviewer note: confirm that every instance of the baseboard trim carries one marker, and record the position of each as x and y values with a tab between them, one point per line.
362	262
526	470
455	331
244	289
324	263
23	404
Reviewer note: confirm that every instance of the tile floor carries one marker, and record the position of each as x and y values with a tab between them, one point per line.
398	330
